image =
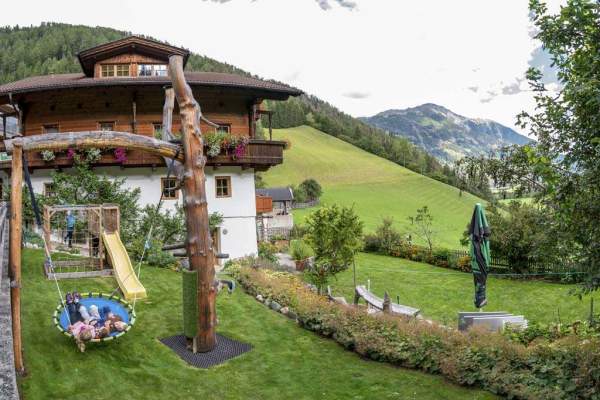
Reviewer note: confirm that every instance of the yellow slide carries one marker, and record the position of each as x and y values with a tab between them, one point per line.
123	270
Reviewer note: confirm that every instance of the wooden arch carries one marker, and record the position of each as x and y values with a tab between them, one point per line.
94	139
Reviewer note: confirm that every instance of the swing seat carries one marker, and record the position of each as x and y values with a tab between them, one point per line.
117	306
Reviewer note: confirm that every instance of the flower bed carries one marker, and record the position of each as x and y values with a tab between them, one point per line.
218	142
568	368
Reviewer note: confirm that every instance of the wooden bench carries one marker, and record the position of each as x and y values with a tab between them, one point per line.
340	300
385	304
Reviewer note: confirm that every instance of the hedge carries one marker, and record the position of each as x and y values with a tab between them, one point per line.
568	368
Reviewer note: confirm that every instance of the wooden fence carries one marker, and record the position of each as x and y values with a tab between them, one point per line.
531	266
306	204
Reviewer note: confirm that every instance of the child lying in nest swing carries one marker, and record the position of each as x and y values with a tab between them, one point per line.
88	324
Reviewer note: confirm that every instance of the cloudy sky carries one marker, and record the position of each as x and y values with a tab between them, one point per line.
363	56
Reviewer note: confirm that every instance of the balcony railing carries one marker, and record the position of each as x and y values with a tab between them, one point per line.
259	154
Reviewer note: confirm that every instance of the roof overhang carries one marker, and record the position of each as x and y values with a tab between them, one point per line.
161	51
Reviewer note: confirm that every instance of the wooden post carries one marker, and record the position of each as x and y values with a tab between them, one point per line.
387	302
47	233
199	243
16	196
134	111
270	126
167	117
167	130
251	122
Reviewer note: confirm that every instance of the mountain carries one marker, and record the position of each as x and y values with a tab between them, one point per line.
445	134
374	187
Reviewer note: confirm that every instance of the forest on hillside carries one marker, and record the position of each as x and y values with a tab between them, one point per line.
52	48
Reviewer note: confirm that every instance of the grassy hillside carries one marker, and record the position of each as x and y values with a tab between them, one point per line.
376	187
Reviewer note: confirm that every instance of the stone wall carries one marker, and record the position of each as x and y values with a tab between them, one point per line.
8	383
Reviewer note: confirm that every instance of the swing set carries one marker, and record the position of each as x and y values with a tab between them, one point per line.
185	159
92	221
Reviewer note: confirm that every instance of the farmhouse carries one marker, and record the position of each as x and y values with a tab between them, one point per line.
121	88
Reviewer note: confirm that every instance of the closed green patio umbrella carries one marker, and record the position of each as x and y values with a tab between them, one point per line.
479	249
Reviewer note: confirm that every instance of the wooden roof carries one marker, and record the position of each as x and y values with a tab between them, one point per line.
262	88
137	44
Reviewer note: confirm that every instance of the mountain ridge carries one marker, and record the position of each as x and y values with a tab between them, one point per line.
447	135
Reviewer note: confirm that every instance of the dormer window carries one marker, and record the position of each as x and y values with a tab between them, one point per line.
152	70
109	70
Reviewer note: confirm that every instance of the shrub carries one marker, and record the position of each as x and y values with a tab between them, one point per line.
31	237
267	251
311	188
568	368
464	263
371	243
300	195
334	235
299	250
298	231
389	237
153	256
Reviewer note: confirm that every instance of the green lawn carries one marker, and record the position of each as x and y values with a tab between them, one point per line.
376	187
440	293
286	362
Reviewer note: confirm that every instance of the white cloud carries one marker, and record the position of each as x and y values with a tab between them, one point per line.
400	53
356	95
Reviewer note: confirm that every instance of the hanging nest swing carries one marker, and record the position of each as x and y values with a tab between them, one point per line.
117	306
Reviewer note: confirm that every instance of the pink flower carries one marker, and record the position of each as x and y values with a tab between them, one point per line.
240	150
71	154
121	155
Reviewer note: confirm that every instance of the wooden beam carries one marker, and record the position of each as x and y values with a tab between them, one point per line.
199	242
270	127
94	139
167	129
16	220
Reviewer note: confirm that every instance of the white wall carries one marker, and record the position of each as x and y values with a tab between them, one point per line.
238	231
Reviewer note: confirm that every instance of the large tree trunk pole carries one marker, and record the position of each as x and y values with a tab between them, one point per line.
16	205
199	242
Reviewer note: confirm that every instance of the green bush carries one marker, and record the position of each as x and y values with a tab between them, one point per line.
371	243
298	231
311	188
153	256
300	250
300	195
568	368
267	251
32	238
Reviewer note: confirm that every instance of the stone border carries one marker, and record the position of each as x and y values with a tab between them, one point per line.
8	381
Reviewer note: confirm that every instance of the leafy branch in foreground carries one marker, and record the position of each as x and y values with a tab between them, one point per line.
563	166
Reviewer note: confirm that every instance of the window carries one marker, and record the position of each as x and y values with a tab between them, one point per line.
53	128
223	186
108	70
106	126
114	70
169	188
224	128
152	70
48	189
122	69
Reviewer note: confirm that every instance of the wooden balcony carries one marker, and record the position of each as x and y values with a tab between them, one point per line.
259	154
